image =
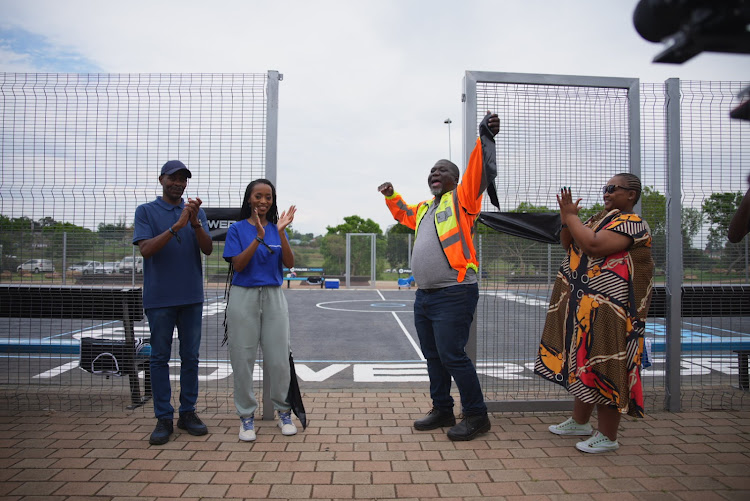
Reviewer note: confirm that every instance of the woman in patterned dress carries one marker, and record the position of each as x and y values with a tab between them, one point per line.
593	335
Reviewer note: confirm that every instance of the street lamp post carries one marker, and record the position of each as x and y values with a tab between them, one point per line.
449	122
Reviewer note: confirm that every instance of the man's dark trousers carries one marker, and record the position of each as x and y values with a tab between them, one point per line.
443	319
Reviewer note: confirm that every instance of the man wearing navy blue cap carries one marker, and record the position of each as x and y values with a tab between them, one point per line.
171	235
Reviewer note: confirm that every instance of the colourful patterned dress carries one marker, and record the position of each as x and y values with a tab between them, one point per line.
593	335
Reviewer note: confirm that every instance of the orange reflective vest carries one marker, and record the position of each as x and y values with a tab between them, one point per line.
454	217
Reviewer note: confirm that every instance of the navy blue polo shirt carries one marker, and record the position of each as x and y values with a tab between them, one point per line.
174	275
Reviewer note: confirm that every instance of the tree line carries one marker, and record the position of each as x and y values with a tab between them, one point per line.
27	238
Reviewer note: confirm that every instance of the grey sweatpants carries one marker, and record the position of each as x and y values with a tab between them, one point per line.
258	315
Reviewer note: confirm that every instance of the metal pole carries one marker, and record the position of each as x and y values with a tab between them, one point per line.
449	122
65	256
408	259
373	259
347	273
673	283
272	132
272	124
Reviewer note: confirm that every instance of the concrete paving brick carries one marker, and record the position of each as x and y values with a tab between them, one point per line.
430	477
84	456
417	491
541	487
509	475
332	492
382	491
548	474
458	490
352	477
122	488
391	477
246	491
75	489
580	486
699	496
149	476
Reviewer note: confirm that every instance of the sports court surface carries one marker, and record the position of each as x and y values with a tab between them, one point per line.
365	338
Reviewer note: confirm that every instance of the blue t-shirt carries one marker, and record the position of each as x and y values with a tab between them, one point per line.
173	276
264	268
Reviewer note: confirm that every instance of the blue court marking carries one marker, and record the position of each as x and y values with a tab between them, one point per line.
388	305
697	341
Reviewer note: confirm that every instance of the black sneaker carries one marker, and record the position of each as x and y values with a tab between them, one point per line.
435	419
470	427
160	435
190	422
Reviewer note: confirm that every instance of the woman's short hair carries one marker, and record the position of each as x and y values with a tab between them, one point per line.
632	182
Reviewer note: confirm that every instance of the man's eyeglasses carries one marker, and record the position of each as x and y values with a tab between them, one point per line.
610	188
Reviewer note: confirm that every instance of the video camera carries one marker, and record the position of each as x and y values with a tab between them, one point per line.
689	27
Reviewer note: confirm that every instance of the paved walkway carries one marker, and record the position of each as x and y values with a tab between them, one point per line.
360	445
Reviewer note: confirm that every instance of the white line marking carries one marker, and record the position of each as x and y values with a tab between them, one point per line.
56	371
408	336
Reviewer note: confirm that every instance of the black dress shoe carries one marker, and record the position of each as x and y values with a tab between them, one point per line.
435	419
470	427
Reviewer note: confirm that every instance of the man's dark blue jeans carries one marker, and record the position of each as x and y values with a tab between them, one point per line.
162	321
443	318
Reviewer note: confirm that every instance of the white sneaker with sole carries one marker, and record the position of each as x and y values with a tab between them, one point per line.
247	429
597	443
285	423
570	427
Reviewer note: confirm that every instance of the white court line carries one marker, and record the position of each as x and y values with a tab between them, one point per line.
408	336
56	371
406	332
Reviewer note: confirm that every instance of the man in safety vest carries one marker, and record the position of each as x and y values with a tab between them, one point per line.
444	265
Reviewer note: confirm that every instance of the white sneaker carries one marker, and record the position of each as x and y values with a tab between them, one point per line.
597	443
247	429
285	423
570	427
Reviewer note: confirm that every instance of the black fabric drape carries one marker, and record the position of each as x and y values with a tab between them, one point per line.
540	227
295	396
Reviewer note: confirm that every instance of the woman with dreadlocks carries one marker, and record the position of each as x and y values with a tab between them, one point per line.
257	312
592	341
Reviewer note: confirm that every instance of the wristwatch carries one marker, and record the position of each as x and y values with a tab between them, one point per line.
199	225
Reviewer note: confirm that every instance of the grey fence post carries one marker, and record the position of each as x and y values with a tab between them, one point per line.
272	133
673	283
65	257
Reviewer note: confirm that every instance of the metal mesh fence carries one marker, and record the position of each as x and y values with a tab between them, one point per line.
555	135
714	152
79	153
551	136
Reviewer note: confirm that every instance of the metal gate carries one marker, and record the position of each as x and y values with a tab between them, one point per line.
554	131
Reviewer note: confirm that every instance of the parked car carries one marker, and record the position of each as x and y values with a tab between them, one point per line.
126	265
109	267
85	267
37	266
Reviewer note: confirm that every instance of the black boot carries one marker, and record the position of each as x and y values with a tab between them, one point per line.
435	419
470	427
160	435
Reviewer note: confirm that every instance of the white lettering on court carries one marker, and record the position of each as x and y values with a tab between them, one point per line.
308	375
390	373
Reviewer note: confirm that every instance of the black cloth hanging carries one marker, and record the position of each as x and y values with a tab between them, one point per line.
295	396
540	227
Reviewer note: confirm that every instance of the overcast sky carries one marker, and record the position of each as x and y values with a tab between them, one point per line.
367	85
